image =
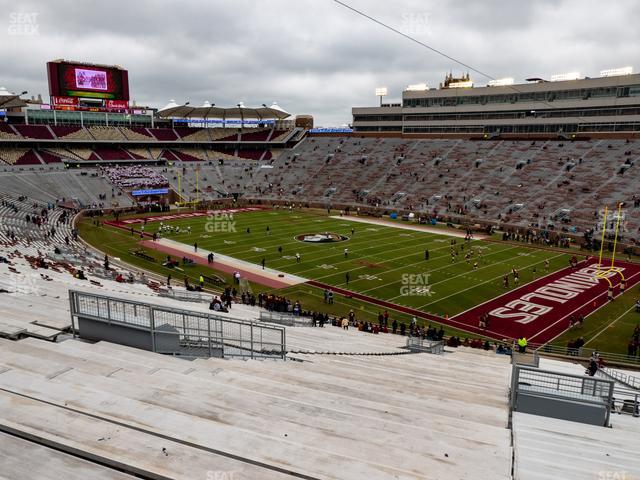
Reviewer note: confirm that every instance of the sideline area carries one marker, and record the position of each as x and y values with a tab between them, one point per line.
250	271
417	228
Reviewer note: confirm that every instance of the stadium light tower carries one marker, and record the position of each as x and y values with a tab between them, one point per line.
381	92
240	105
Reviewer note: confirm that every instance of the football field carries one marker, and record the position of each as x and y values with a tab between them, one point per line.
381	262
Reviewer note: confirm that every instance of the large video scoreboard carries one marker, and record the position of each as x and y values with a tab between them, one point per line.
70	81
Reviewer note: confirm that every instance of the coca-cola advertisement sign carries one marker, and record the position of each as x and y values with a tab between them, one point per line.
67	101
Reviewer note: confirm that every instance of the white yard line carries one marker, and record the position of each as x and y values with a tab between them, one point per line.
488	281
608	326
444	267
417	228
575	310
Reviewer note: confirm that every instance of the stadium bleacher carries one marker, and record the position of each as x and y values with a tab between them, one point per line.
519	183
35	131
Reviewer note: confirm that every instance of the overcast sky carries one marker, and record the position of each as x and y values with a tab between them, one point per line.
311	56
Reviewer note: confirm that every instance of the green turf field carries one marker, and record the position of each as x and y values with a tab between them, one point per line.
381	261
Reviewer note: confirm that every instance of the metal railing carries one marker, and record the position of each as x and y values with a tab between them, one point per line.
181	332
626	401
585	352
184	295
621	377
531	359
577	388
419	344
286	319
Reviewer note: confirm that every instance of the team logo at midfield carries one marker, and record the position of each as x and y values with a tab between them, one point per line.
325	237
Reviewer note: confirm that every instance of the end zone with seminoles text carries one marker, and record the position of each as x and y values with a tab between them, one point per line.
541	310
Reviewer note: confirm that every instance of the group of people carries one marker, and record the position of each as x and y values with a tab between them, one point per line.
133	176
633	347
516	276
545	238
277	303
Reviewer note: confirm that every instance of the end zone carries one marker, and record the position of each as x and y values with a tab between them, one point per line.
541	310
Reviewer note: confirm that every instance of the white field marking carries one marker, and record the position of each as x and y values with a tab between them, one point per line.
570	313
388	223
294	229
609	325
401	257
509	291
241	249
357	254
455	276
490	280
441	268
340	253
367	240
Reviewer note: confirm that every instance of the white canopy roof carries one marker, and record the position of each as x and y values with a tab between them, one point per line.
10	100
173	110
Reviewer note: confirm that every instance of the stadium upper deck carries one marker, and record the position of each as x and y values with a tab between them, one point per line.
604	104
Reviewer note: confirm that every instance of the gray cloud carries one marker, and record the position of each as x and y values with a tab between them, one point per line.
312	56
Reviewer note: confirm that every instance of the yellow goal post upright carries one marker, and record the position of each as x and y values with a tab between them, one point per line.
602	273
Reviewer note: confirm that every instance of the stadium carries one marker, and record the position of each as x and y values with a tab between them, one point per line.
446	287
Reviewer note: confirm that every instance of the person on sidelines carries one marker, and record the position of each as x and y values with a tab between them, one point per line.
522	345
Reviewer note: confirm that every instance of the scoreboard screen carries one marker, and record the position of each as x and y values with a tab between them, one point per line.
88	81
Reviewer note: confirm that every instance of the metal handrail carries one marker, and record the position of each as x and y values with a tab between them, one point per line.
207	332
584	352
629	380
